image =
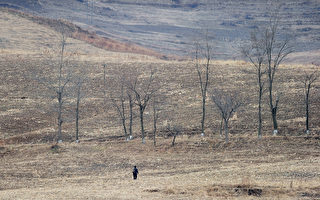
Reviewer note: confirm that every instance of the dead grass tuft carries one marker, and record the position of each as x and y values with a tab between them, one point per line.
169	191
152	190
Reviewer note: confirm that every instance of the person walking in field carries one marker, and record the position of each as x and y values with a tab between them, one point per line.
135	172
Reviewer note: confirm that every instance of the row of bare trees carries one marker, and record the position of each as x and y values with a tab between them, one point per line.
226	102
134	91
65	84
264	51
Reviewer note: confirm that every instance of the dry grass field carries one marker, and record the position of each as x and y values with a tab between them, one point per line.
22	34
196	168
32	166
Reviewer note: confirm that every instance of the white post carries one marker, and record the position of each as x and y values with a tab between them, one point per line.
275	132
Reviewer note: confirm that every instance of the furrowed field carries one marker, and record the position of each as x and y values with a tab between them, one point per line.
99	167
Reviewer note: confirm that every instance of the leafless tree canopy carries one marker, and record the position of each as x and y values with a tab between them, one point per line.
276	51
227	104
308	82
203	56
143	91
256	54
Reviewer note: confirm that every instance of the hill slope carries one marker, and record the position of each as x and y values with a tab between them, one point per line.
171	26
14	25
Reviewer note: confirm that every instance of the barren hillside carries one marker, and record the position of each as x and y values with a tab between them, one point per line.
170	27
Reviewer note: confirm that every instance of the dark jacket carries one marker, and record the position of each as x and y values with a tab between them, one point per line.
135	170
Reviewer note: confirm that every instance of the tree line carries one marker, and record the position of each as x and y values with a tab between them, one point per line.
264	51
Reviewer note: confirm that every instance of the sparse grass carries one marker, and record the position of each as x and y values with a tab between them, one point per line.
179	98
23	37
281	168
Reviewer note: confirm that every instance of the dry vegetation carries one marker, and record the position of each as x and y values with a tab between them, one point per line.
83	35
26	35
99	167
196	168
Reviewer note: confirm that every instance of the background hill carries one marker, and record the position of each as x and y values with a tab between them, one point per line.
170	26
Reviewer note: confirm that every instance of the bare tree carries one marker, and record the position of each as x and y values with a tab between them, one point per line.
57	81
203	51
276	51
122	98
308	81
143	94
131	104
61	86
79	83
256	54
125	80
227	105
120	107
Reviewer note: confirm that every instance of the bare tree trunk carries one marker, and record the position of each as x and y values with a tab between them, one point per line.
77	115
154	133
274	120
272	108
155	119
259	109
125	128
203	114
142	126
307	108
130	115
59	118
123	114
60	102
260	119
226	130
174	139
221	126
77	119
